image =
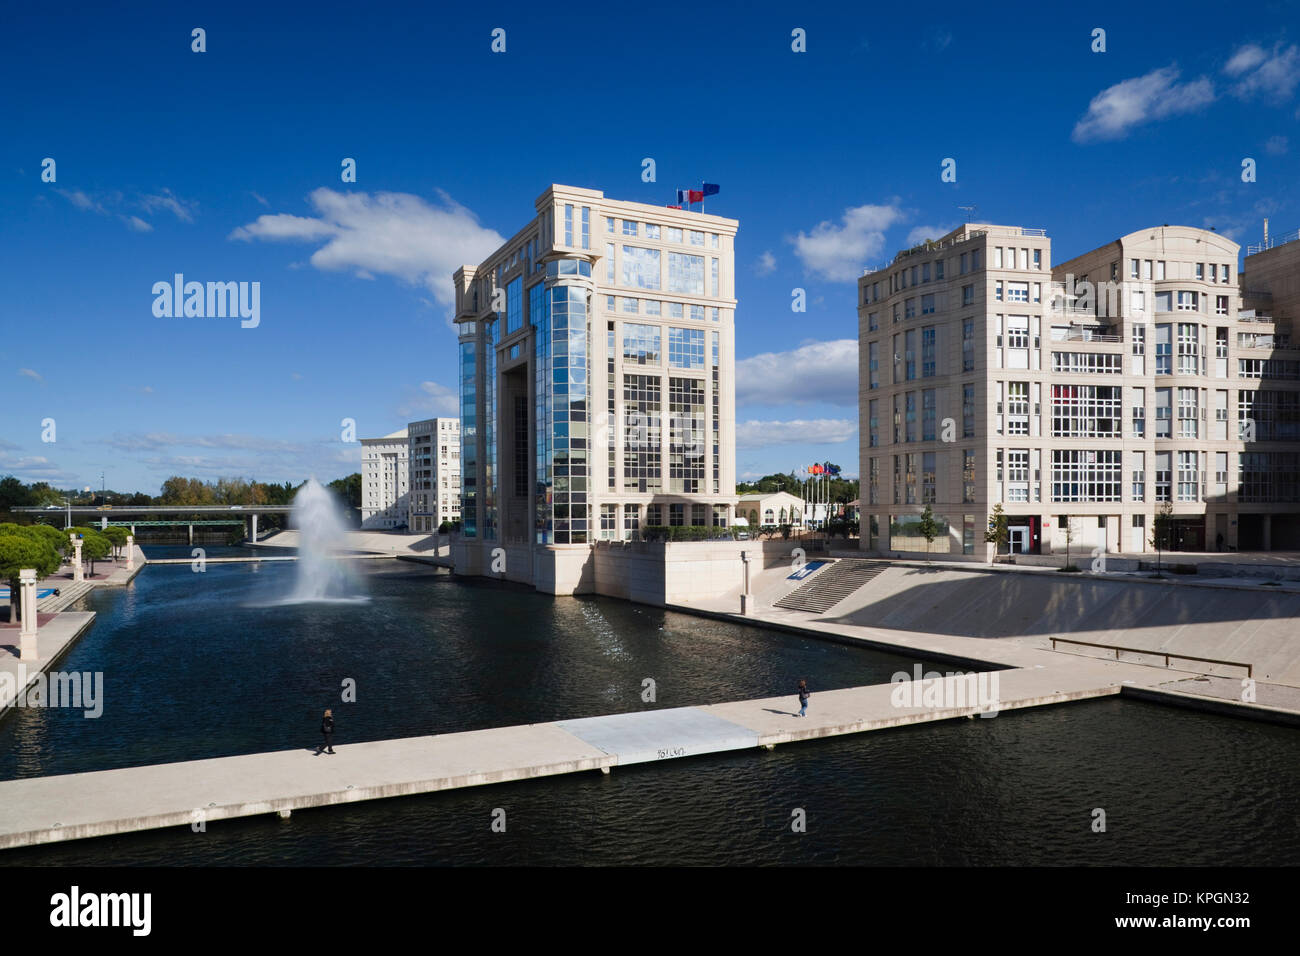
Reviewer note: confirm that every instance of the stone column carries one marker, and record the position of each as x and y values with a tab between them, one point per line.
254	529
746	599
191	528
78	573
27	607
130	552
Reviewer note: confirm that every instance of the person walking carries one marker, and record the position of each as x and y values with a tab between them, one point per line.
327	729
803	698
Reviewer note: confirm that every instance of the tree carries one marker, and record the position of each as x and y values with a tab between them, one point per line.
13	494
117	537
1161	529
20	549
997	534
928	528
1067	526
349	489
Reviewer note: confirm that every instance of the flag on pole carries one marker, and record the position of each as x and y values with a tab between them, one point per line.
688	196
710	189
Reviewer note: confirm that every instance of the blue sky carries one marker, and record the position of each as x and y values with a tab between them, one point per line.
224	166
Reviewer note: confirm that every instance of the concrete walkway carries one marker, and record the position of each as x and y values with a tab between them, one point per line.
54	636
74	806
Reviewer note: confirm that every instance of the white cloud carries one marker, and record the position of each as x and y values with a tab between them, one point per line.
1143	99
817	431
259	198
137	224
157	441
182	209
82	201
922	233
1275	74
395	234
431	399
838	252
825	372
30	373
1276	145
766	264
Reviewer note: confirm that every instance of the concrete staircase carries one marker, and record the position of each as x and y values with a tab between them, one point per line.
830	586
68	594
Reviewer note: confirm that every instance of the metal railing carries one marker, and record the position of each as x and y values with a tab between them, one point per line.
1271	242
1250	671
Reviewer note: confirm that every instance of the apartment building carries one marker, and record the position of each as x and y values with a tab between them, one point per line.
1078	397
434	473
385	491
597	384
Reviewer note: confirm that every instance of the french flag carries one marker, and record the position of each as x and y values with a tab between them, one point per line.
687	196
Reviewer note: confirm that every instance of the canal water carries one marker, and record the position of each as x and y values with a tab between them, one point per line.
206	665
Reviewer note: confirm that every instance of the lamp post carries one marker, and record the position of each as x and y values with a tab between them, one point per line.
68	521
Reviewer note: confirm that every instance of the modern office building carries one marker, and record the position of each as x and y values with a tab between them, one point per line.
597	384
385	490
1079	396
434	479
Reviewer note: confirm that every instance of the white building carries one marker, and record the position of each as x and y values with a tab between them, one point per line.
385	485
434	463
771	509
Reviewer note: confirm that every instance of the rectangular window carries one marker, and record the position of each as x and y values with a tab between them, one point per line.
685	348
968	411
586	227
514	304
641	268
1139	413
1137	461
685	273
927	415
651	231
1188	471
713	278
909	356
640	343
968	475
968	345
927	352
967	295
1017	291
909	309
629	227
1164	413
674	234
1038	258
1086	475
927	304
697	238
609	262
631	522
568	224
1164	350
910	420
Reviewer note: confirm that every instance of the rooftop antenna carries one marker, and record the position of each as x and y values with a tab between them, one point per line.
969	210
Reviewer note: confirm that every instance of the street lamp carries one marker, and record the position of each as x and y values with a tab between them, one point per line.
68	521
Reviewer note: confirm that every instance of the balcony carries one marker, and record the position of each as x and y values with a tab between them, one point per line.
1252	315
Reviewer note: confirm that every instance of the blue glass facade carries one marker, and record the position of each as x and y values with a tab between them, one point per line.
562	419
468	440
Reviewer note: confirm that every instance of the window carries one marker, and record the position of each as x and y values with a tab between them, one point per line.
1187	301
873	423
1200	270
642	449
925	272
1188	349
568	224
1164	412
1017	291
1017	331
967	295
586	227
927	415
609	262
640	343
927	352
910	354
652	306
927	304
1038	258
697	313
968	345
1086	411
514	304
713	277
1138	489
1146	269
713	240
910	420
928	477
1139	413
608	522
873	322
968	411
697	238
938	269
963	264
1132	268
909	309
686	348
1017	408
974	259
676	515
968	475
609	224
640	267
1160	270
629	227
1187	475
873	365
631	522
631	306
674	234
1164	350
1086	475
1220	305
651	231
685	273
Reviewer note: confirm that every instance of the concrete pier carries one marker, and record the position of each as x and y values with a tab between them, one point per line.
74	806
